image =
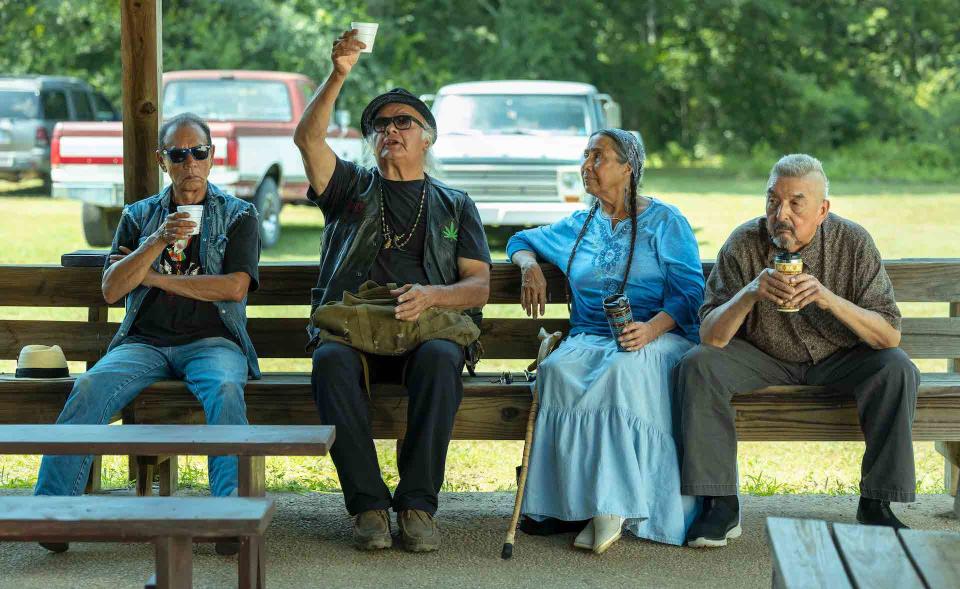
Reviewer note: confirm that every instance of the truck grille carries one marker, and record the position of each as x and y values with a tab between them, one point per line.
496	183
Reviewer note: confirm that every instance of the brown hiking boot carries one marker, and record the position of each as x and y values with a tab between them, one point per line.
418	530
371	530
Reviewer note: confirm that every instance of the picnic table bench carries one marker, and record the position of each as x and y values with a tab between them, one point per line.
171	524
490	410
806	555
249	443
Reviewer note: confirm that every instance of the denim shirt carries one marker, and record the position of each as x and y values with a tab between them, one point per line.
220	212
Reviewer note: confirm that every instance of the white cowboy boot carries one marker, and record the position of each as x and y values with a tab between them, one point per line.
607	529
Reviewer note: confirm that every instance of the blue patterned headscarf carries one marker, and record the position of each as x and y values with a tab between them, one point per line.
631	147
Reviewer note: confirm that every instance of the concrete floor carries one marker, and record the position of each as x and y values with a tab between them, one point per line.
308	545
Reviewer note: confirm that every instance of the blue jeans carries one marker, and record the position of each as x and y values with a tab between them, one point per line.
215	371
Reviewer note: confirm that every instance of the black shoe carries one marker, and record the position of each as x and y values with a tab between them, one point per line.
227	547
56	547
873	512
719	522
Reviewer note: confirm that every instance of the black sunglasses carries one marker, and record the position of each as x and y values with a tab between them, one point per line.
401	122
178	155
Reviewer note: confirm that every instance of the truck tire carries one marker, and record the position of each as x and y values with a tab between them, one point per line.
267	201
99	224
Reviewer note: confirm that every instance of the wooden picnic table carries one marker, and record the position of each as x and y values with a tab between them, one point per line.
250	443
171	524
807	555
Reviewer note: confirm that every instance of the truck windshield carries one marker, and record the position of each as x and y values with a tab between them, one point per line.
228	100
512	114
16	104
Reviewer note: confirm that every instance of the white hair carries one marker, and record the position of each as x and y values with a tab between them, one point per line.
798	165
368	156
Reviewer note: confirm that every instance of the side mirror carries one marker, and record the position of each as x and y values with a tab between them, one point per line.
343	118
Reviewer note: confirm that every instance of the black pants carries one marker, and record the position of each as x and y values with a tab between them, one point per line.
433	382
884	384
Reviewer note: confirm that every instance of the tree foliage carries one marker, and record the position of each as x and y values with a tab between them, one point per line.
694	77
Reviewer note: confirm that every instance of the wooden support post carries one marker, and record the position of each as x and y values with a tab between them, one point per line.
168	476
174	562
96	315
93	481
252	475
141	62
951	450
145	472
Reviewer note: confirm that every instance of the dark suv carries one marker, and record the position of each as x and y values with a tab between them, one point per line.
29	108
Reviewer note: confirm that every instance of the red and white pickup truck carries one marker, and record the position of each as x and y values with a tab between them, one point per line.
252	116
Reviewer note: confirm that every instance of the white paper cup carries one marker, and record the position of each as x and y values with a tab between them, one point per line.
196	214
366	33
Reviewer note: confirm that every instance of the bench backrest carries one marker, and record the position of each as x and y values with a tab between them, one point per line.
915	280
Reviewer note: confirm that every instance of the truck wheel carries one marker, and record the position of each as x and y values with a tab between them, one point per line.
99	224
46	185
267	201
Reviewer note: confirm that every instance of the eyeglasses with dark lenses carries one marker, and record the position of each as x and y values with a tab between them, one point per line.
401	122
178	155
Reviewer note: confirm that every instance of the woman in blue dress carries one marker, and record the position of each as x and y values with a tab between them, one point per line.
604	448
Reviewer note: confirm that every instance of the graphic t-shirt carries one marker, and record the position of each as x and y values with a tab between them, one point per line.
167	319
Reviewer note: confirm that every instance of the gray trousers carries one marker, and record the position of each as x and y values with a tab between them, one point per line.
883	382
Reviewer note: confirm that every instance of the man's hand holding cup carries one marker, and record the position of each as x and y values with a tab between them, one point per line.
346	52
178	226
773	286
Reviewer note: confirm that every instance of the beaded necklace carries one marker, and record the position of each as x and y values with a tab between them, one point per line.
392	239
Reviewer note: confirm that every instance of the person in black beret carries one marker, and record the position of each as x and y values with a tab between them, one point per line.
391	223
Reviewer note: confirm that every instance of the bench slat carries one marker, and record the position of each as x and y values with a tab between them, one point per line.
936	554
804	555
781	414
289	283
498	411
860	547
157	440
131	518
926	337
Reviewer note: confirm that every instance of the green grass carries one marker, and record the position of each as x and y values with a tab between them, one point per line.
906	220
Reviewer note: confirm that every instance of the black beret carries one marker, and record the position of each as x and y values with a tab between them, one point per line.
397	95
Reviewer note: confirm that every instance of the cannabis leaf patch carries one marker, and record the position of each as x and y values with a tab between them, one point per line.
450	231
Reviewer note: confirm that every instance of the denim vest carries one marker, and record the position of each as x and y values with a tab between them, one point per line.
220	212
352	240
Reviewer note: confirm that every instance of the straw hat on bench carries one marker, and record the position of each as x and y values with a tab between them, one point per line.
37	361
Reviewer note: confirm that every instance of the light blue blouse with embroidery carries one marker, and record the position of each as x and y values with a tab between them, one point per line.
666	274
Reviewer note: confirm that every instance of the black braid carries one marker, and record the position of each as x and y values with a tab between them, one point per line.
633	232
583	230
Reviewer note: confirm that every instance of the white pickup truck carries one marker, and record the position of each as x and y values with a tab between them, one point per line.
252	116
515	145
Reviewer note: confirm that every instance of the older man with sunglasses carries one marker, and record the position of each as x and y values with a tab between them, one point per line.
391	224
186	289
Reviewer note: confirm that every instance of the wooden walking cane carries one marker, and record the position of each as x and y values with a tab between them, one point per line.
547	343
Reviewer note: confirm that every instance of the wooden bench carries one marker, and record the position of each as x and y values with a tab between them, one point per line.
806	554
171	524
490	411
250	443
